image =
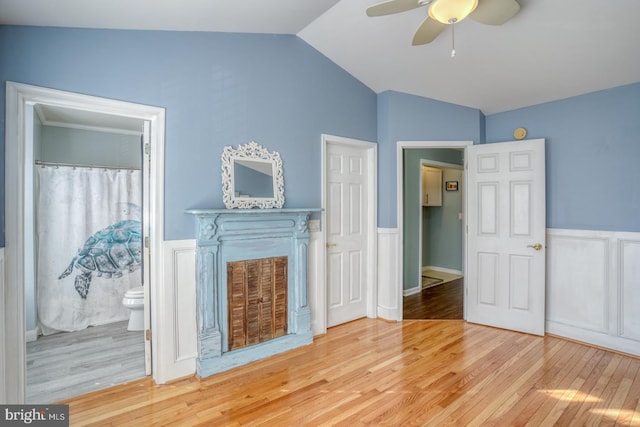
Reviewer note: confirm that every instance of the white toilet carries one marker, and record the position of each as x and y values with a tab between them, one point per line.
134	301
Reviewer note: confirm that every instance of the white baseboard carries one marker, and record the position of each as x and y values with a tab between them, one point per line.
32	335
412	291
442	269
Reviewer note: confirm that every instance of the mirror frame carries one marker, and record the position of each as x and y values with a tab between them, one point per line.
251	151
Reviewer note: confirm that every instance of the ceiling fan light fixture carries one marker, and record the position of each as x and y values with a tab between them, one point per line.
451	11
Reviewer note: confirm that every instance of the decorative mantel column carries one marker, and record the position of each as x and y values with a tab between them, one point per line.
225	236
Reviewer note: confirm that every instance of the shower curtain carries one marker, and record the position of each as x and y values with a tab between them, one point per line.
88	245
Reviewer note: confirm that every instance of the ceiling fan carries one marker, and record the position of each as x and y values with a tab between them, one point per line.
445	12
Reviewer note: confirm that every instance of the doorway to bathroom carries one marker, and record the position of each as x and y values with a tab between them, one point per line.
87	237
21	100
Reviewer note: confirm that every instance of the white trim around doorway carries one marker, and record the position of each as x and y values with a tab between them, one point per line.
19	99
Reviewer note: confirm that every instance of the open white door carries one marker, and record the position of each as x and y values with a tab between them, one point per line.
506	235
146	261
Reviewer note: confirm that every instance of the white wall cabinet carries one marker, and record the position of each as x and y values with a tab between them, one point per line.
431	186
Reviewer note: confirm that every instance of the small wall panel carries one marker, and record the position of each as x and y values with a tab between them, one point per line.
577	282
317	274
519	281
185	302
179	269
629	252
592	287
487	271
389	273
488	208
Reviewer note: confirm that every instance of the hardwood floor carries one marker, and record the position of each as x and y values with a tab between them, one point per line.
437	302
372	372
69	364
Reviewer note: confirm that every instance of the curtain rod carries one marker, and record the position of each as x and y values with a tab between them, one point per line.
41	163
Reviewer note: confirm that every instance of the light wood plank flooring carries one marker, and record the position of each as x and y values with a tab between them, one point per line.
69	364
372	372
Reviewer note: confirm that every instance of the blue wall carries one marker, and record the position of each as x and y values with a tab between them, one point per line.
403	117
592	156
228	89
218	89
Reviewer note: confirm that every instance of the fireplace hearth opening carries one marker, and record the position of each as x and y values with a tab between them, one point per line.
257	300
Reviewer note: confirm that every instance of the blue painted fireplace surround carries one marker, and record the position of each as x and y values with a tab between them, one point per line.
228	235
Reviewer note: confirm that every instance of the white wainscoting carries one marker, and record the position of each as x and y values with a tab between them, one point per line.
389	270
316	277
3	395
179	327
593	287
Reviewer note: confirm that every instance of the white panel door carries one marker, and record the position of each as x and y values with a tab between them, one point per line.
346	217
506	235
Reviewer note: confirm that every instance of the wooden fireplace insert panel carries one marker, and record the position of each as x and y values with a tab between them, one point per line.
257	297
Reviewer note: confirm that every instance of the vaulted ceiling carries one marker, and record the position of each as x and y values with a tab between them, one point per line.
552	49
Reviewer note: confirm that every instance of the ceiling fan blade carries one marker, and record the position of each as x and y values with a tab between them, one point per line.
392	6
495	12
427	31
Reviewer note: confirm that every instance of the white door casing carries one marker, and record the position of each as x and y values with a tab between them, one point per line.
349	208
505	275
19	99
146	236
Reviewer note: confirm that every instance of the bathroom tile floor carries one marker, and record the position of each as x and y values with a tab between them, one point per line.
72	363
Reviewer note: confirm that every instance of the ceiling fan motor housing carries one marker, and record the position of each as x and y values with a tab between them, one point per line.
451	11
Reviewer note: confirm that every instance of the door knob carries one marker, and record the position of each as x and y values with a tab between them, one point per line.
537	246
330	245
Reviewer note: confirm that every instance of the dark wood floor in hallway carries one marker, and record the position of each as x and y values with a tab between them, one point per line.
437	302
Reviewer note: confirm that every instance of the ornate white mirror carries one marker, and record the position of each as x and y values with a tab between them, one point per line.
252	177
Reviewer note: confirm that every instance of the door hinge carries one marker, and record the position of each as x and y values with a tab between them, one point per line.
146	242
147	148
147	335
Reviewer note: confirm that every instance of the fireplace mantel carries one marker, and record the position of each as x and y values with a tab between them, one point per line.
229	235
